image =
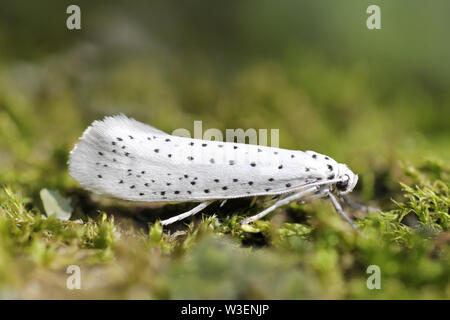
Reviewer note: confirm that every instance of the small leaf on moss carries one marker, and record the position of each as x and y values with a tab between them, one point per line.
55	204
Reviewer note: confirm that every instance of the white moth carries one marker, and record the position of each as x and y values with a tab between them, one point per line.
126	159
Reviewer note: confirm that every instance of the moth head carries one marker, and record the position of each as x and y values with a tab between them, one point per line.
347	179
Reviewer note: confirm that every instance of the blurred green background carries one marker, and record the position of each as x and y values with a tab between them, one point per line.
378	100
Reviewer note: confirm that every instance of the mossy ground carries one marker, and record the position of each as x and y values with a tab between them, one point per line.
389	125
304	252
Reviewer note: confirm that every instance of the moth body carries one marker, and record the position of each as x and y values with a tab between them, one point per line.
123	158
126	159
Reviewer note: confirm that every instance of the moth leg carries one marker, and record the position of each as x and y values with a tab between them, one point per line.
279	203
223	203
359	206
253	201
189	213
341	212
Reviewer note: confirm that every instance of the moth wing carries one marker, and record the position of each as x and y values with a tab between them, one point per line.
101	158
115	124
127	159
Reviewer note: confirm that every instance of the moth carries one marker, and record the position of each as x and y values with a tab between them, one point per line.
126	159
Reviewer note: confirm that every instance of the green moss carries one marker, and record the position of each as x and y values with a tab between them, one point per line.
217	258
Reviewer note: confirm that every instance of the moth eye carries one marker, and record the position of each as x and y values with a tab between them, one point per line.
342	185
